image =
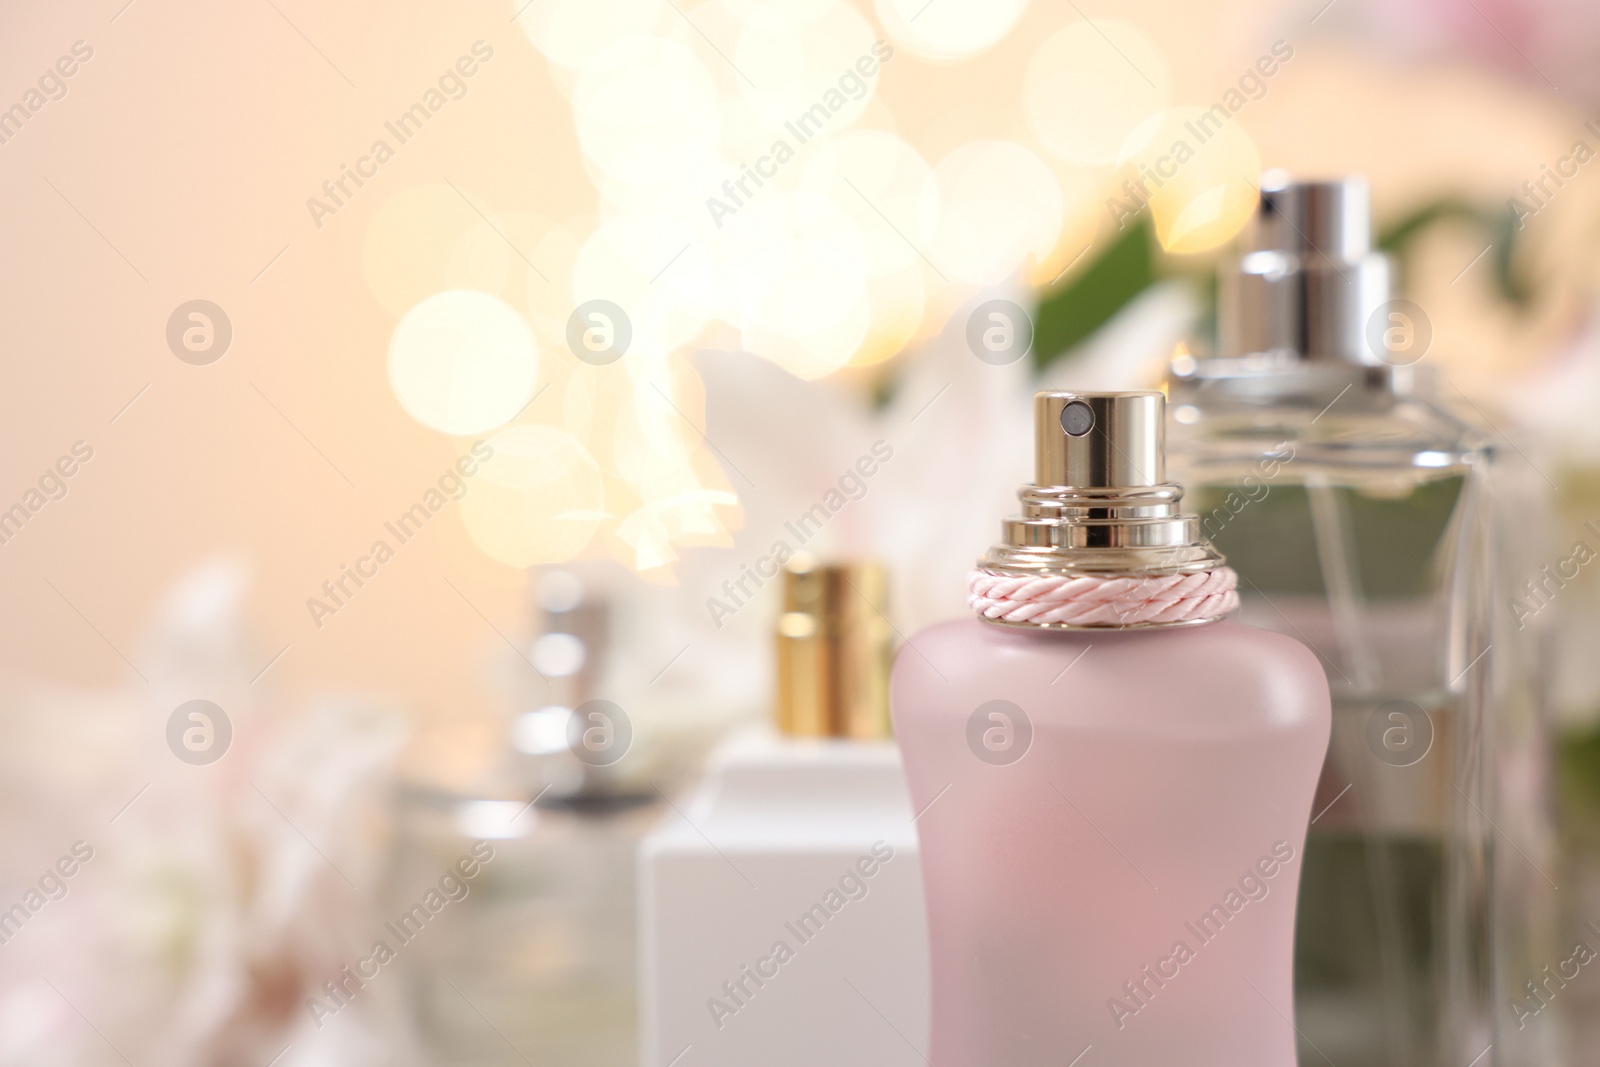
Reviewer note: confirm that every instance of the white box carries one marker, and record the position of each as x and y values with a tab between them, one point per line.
781	919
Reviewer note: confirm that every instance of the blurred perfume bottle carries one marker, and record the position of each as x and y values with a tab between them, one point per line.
1363	517
1114	780
781	916
537	963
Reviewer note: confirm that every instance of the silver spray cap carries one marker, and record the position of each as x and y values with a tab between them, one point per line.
1100	503
1099	440
1309	282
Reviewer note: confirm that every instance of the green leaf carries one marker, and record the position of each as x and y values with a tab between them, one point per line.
1072	312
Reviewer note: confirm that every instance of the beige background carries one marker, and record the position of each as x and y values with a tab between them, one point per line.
191	141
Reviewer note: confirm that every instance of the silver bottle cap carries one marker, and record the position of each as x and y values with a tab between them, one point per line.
1309	282
1100	503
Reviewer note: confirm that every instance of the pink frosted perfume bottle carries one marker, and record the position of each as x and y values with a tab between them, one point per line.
1112	782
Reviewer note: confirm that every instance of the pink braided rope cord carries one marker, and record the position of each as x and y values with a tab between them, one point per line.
1096	601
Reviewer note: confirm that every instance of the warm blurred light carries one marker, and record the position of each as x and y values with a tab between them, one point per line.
504	251
558	655
709	31
798	58
569	32
688	517
548	283
542	732
429	238
651	530
463	362
645	109
654	444
653	267
1183	362
808	350
589	402
747	135
898	303
495	819
1089	87
839	251
886	187
797	11
479	259
794	268
539	499
1083	211
1000	208
948	29
1199	170
679	190
657	426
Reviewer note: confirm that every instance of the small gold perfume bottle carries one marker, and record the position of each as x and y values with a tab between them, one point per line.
833	648
790	873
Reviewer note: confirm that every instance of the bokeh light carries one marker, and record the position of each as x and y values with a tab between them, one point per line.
794	271
1090	86
463	362
548	291
646	110
1000	208
806	62
840	251
898	305
679	494
948	29
570	32
538	499
652	266
886	187
797	11
428	238
1200	169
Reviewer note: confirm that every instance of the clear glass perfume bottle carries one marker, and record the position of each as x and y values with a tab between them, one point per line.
1112	782
1357	512
538	962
